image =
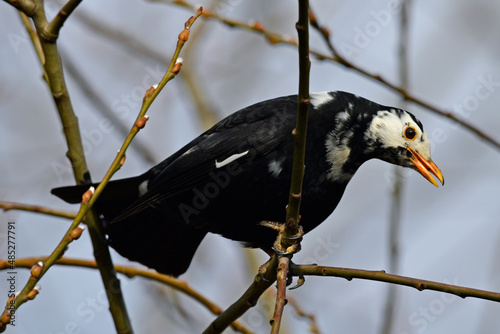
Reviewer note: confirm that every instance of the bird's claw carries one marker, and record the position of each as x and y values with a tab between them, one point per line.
278	251
297	236
261	277
300	282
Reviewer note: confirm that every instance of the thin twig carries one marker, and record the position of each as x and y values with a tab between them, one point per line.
35	40
281	301
26	6
6	206
382	276
131	43
94	97
291	228
299	134
262	281
132	272
275	38
54	76
121	319
56	24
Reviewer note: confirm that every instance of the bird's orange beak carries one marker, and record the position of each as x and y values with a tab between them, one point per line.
426	167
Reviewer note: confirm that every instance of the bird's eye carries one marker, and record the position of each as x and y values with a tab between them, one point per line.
410	133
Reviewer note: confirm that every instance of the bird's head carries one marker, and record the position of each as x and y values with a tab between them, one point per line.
398	137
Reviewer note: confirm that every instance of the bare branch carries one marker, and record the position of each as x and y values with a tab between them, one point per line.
94	98
6	206
109	278
382	276
263	280
281	301
28	7
56	24
291	228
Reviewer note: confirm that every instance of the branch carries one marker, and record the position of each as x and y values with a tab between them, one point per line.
263	280
283	266
382	276
6	206
299	134
132	272
26	6
117	305
56	24
35	40
275	38
93	97
45	41
131	43
287	239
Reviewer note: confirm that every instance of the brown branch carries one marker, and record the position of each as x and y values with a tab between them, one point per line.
6	206
93	96
48	54
56	24
35	40
299	134
56	83
54	76
275	38
382	276
128	41
287	240
284	263
26	6
262	281
132	272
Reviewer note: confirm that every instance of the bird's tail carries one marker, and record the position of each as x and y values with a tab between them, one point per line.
151	237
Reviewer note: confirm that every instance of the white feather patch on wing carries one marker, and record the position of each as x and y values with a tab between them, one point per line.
232	158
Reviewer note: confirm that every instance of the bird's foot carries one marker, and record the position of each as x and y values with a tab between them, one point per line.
284	245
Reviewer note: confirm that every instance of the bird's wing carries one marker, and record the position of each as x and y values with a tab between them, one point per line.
230	142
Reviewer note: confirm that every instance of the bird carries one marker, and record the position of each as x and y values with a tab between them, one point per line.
237	174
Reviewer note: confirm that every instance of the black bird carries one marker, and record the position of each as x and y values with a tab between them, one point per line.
237	174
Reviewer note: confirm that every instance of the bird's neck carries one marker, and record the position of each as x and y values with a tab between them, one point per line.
346	149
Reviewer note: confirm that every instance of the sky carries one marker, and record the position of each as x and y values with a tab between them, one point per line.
117	51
